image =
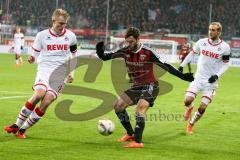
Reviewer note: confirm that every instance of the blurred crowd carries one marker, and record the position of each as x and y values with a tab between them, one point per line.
176	16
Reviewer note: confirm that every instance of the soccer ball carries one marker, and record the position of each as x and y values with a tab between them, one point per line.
105	127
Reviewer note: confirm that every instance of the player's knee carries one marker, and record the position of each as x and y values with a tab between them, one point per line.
142	107
47	100
50	97
118	105
188	101
38	97
39	94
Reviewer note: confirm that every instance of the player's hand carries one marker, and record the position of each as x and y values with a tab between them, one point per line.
100	48
213	79
31	59
180	68
188	77
69	79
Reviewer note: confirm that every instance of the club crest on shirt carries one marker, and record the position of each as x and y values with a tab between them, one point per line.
219	49
142	57
66	39
48	38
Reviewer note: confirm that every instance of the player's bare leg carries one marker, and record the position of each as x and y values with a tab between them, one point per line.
188	102
20	60
37	114
120	106
26	110
17	58
141	110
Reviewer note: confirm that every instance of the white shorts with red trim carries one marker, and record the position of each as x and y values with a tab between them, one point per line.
208	90
50	80
17	50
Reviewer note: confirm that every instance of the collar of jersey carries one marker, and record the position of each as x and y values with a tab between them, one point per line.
214	44
141	45
55	35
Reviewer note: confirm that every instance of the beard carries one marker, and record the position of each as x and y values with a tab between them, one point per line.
133	48
214	36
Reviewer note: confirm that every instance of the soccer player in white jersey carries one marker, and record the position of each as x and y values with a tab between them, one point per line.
18	43
51	49
213	61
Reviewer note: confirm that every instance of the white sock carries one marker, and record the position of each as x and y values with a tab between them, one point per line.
24	113
195	118
33	119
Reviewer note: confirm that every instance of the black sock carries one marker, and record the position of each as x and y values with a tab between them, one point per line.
22	131
124	119
140	124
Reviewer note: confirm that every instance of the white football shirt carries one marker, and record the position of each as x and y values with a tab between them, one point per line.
54	49
210	57
18	39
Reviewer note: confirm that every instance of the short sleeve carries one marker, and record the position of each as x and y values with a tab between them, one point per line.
196	47
74	40
37	45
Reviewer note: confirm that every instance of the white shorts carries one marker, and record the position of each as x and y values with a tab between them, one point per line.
17	50
50	80
208	90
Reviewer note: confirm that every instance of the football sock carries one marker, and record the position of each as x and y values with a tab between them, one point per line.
125	121
190	106
24	113
14	126
140	124
21	131
34	117
197	116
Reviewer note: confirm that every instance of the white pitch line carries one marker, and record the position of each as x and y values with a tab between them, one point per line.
11	97
15	92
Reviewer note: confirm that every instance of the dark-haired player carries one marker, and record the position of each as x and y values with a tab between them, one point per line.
139	61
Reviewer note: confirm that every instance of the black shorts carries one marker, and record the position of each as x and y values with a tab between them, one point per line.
148	92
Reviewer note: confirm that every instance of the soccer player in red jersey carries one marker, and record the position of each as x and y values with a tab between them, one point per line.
139	61
185	50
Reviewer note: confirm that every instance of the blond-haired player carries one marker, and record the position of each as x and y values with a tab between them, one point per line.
18	43
51	49
213	61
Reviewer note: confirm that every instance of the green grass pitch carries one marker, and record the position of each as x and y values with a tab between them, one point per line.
216	135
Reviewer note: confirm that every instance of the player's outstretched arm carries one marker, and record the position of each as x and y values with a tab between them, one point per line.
100	48
160	62
184	76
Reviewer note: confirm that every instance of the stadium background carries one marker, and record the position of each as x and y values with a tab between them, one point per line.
94	20
217	134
